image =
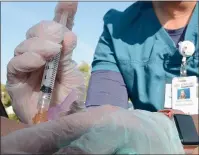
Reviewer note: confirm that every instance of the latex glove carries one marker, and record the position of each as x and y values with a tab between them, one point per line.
101	130
129	132
25	69
47	137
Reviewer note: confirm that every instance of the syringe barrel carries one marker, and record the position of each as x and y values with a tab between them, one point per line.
48	81
51	66
44	102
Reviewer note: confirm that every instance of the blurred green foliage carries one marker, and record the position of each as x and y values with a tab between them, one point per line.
5	98
13	117
85	69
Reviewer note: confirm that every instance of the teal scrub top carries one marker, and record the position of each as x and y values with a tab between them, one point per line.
135	44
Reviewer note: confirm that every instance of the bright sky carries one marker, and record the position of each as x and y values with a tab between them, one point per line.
18	17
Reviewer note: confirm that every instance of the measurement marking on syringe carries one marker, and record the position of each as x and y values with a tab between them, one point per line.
50	70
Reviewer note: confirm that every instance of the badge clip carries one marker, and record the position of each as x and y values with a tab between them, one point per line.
186	49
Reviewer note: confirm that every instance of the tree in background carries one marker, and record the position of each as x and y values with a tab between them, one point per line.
5	98
85	69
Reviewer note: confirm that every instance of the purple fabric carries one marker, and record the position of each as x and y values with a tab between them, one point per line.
177	35
64	107
107	87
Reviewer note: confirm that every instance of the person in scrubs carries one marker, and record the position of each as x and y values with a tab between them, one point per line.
137	54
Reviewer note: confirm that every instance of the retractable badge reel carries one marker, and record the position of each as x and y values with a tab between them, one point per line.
186	49
184	88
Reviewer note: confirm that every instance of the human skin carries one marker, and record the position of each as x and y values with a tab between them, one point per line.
174	15
182	94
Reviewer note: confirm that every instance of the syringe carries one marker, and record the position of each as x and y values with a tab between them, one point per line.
50	71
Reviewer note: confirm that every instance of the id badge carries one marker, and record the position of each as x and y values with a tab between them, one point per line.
185	94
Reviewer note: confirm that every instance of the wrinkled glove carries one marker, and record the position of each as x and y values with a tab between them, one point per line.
25	69
129	132
49	136
101	130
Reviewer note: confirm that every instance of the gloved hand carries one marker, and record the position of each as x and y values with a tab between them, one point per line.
25	69
129	132
102	130
49	136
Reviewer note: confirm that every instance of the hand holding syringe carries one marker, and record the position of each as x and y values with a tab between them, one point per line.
64	10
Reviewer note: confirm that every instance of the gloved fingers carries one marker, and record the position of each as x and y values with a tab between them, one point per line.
31	55
102	140
72	9
48	30
55	32
67	83
105	139
69	42
44	48
19	67
108	134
